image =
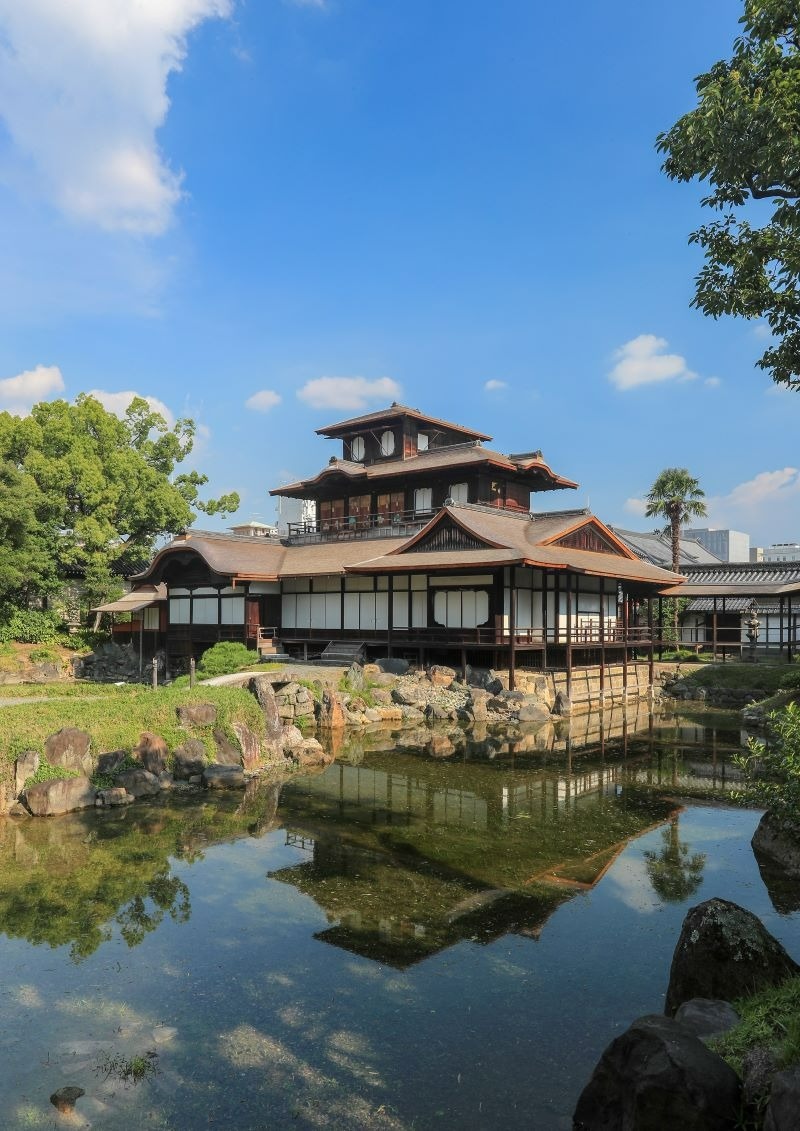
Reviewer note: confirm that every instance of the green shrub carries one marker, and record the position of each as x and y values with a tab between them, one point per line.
46	772
29	626
768	1018
772	769
225	658
44	656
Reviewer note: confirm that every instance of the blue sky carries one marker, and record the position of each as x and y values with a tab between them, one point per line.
271	214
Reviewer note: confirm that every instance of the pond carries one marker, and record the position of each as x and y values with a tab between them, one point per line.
438	931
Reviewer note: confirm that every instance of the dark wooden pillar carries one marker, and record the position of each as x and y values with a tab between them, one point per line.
569	637
660	628
390	615
602	641
557	603
625	621
544	621
714	630
789	629
780	622
512	627
650	670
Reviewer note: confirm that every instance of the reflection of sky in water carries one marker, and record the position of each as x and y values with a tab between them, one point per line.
272	1027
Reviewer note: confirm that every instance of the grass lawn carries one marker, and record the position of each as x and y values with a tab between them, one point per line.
116	716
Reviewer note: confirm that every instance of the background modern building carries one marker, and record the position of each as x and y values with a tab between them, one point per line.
727	545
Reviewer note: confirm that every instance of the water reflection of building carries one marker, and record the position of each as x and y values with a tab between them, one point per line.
408	854
406	862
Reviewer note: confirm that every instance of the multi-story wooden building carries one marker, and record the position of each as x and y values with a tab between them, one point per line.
425	546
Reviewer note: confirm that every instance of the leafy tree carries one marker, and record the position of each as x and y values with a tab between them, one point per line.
743	137
90	489
772	768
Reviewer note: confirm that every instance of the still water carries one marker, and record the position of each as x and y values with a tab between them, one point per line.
441	933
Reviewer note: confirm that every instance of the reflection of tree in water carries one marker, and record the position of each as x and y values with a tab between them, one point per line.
674	874
144	912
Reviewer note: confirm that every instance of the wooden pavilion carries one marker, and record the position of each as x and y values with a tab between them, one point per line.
424	546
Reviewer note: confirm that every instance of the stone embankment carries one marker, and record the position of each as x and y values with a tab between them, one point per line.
407	702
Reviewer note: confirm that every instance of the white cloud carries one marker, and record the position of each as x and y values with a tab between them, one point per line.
642	361
713	382
767	507
764	487
18	394
263	400
118	403
493	386
347	392
83	92
762	331
636	506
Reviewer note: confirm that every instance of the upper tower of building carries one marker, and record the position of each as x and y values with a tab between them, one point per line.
399	464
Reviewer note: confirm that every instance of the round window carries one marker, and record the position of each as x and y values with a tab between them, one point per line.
387	443
357	448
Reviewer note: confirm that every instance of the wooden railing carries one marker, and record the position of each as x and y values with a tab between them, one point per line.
398	524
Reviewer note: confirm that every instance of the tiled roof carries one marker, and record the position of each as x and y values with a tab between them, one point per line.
456	456
657	548
732	605
517	539
393	412
742	579
508	538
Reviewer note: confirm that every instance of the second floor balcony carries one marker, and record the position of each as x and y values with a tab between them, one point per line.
398	524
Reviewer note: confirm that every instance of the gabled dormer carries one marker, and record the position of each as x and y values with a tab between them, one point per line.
397	432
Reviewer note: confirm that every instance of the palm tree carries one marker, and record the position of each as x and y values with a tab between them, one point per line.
676	495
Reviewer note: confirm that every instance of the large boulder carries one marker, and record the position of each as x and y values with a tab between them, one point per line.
331	712
707	1017
152	752
25	767
354	677
784	1101
197	714
189	759
139	783
69	748
724	952
261	687
250	743
779	842
218	776
393	666
562	705
228	754
310	753
59	795
441	676
658	1076
534	712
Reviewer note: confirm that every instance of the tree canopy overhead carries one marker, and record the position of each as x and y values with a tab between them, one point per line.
743	138
83	489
